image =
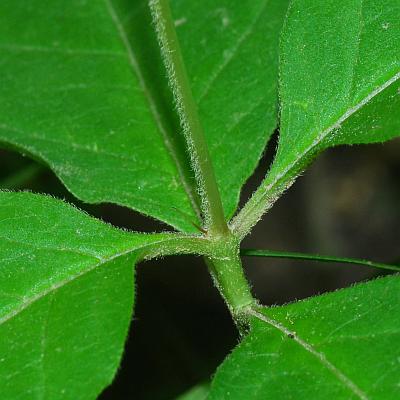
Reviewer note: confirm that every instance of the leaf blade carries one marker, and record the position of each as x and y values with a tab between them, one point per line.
315	340
90	99
71	98
331	72
236	75
66	298
337	86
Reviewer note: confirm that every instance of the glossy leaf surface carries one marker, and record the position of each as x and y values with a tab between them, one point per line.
334	346
66	298
83	90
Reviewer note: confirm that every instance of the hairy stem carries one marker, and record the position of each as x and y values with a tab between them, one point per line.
315	257
260	202
177	243
229	279
187	109
227	272
222	258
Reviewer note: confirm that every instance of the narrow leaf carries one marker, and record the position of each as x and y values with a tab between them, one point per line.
335	346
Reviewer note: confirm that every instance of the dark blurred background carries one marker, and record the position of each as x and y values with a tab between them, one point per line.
345	204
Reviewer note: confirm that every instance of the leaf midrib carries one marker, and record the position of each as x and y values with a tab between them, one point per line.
336	125
334	370
232	51
296	164
171	150
103	260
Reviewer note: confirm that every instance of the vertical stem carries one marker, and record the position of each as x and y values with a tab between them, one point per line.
232	284
226	269
187	109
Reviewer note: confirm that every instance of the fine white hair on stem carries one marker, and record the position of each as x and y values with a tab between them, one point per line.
211	203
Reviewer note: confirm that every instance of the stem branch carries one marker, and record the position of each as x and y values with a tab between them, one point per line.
260	202
187	109
224	263
229	279
315	257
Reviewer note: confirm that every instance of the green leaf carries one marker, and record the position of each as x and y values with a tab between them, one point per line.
339	78
231	52
72	95
339	84
336	346
83	90
66	298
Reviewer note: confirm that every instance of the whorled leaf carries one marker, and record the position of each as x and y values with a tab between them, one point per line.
230	49
66	298
339	84
336	346
339	78
83	89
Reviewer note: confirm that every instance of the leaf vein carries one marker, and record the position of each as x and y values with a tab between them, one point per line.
53	288
189	189
230	54
340	375
43	49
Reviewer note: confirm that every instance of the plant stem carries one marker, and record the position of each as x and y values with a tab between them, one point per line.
224	263
260	202
229	279
226	269
315	257
187	109
222	258
20	177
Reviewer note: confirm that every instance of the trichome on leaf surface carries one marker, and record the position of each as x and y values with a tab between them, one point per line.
166	107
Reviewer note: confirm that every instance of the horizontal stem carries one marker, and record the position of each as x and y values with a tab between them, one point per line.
316	257
171	243
223	261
